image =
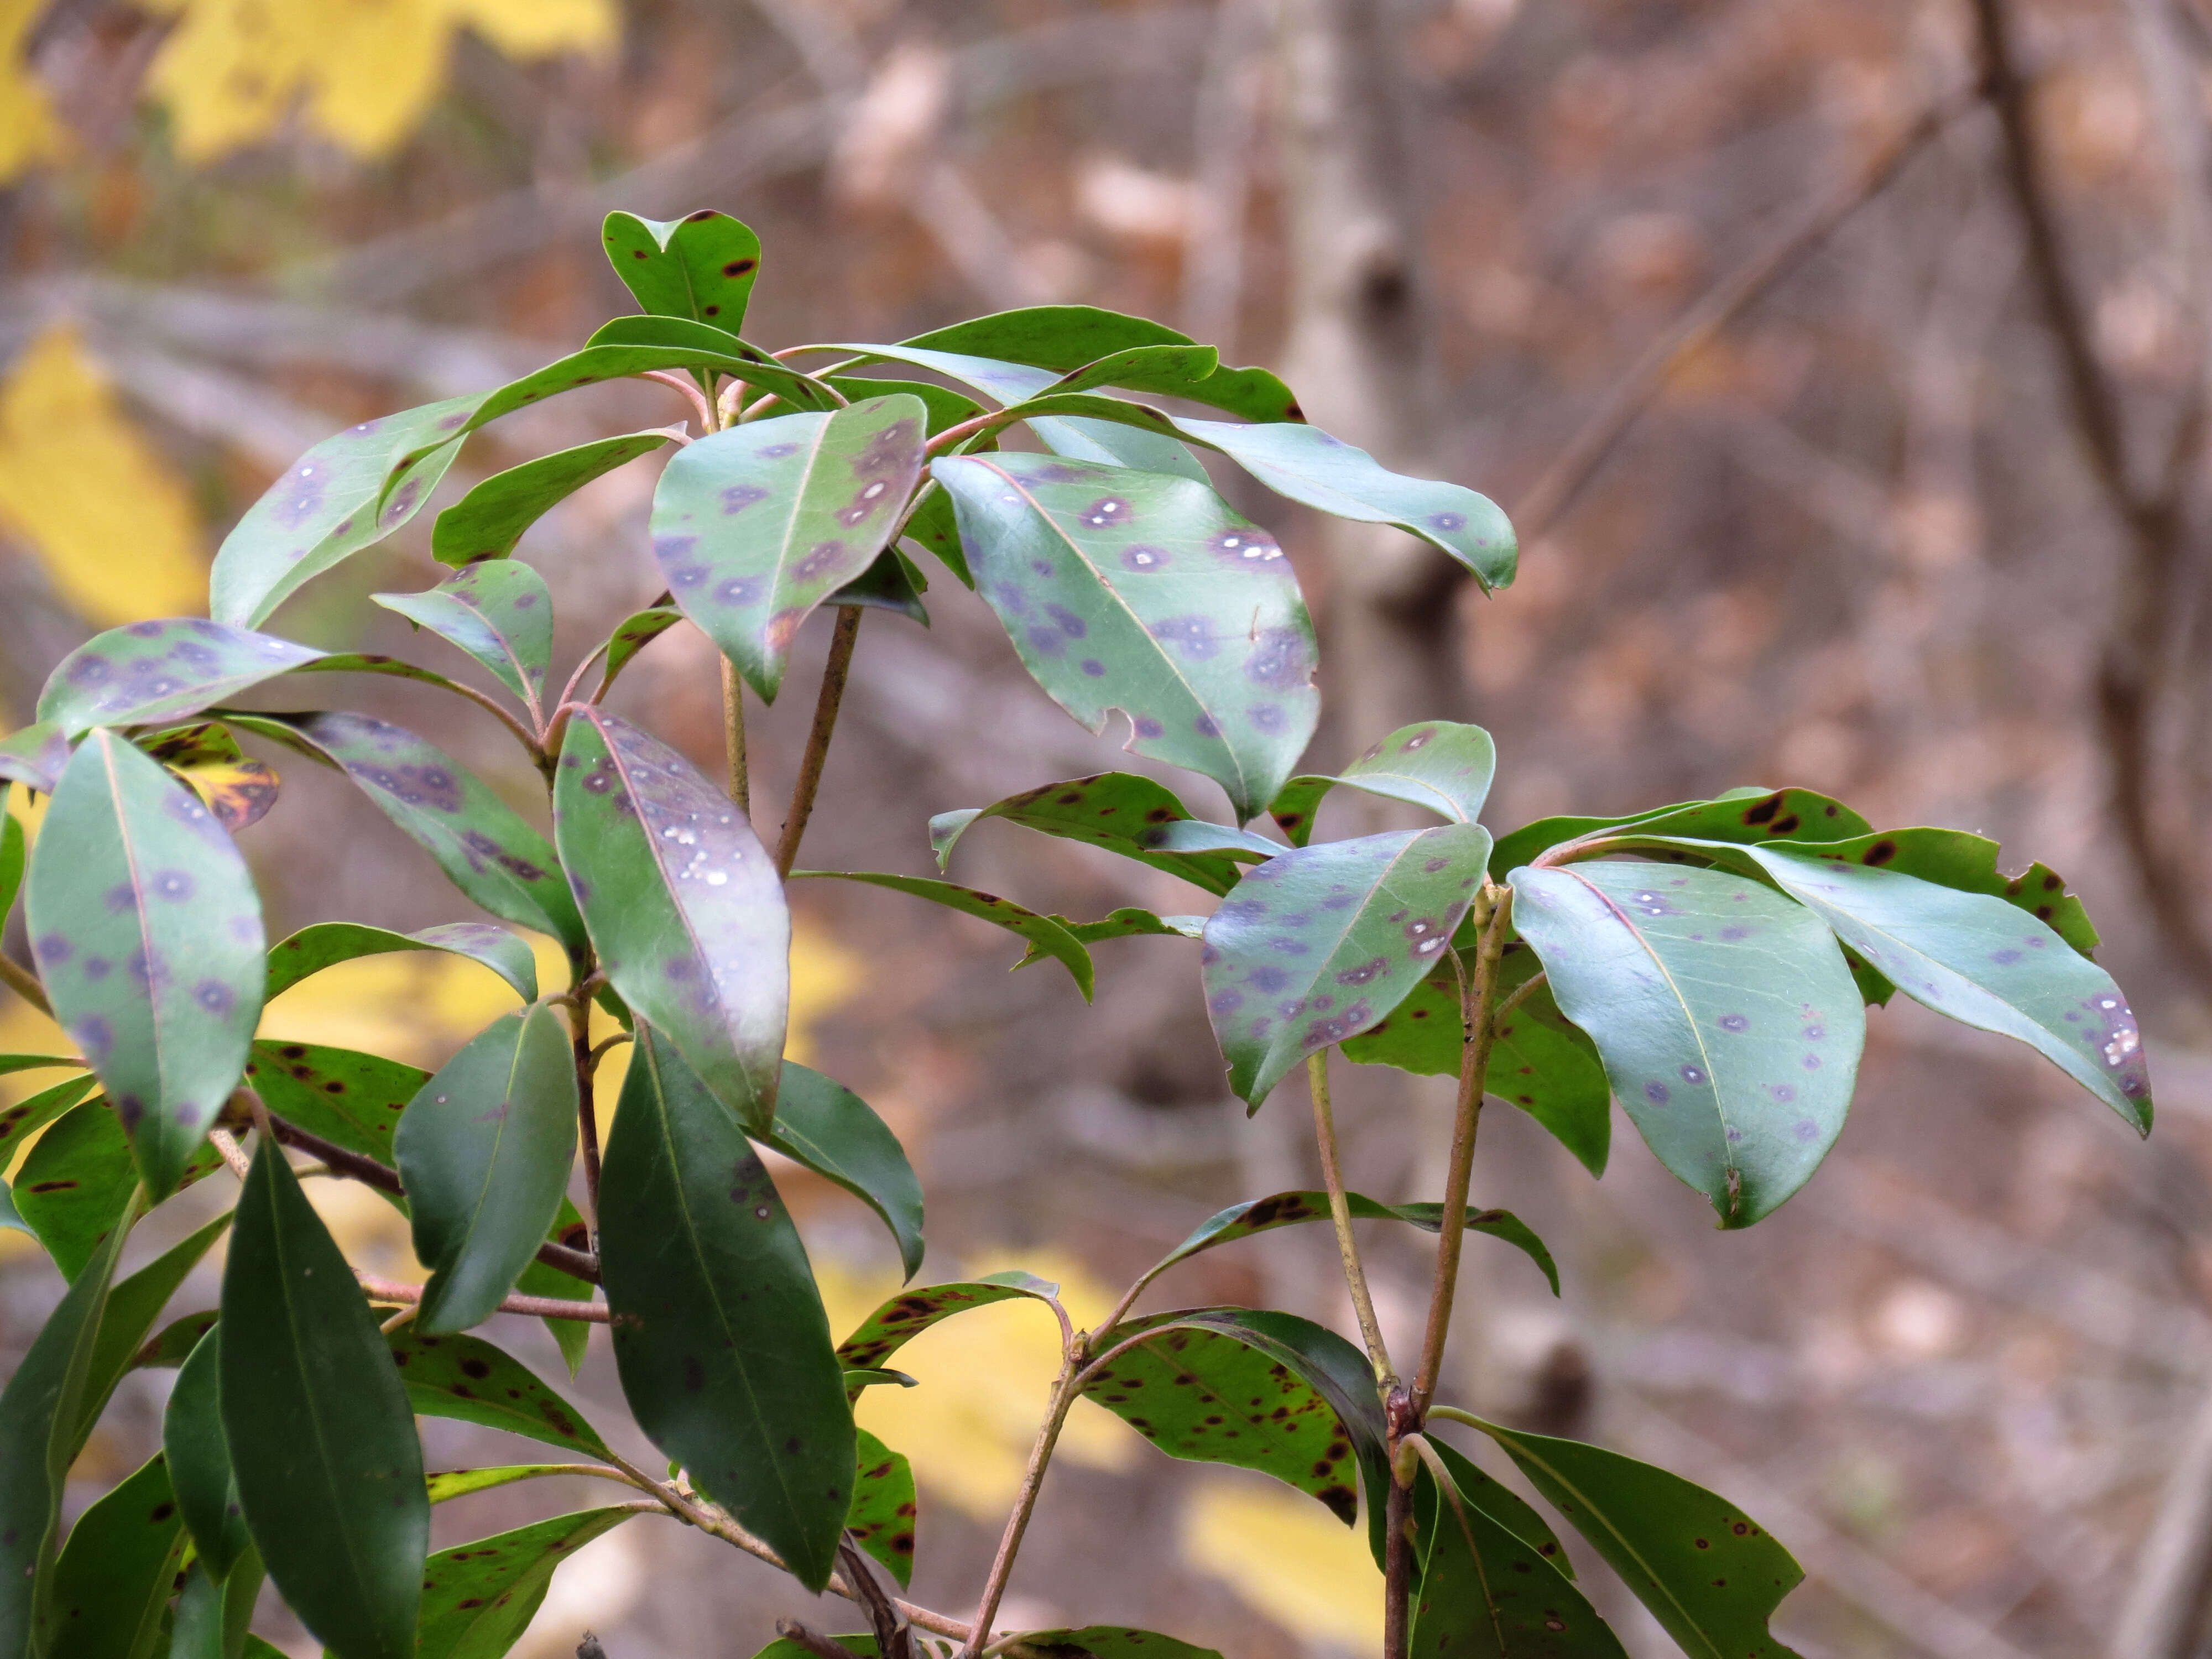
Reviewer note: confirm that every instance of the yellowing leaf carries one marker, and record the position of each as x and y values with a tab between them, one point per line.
109	519
364	71
1286	1558
27	132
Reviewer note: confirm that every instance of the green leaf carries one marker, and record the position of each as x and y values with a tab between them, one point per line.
116	1574
485	1150
35	1111
573	1336
724	1351
1487	1593
347	493
1265	1391
1129	921
479	841
1538	1059
1505	1506
1729	1026
147	933
933	525
1260	1215
173	1344
683	903
882	1517
156	671
212	1614
1110	1642
199	1460
10	1064
501	612
946	407
1978	959
1117	443
1042	932
1146	593
1120	812
910	1313
1746	815
888	584
321	1437
75	1180
446	1485
1708	1574
488	521
1318	945
477	1599
34	755
1437	764
39	1409
861	1647
755	525
701	266
466	1378
325	943
340	1094
12	856
132	1307
833	1131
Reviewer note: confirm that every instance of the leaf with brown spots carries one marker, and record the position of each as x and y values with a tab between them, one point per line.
1323	943
446	1485
910	1313
631	636
76	1178
1109	1642
340	1094
702	266
20	1121
1438	764
756	526
479	1597
112	1583
488	521
882	1517
1119	811
1708	1574
468	1378
145	930
499	611
238	789
1745	815
1041	931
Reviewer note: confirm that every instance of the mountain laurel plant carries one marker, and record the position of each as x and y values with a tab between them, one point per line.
1706	964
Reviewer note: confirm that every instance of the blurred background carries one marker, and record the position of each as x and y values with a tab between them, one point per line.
1846	369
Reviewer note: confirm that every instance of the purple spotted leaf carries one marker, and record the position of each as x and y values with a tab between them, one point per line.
757	525
701	266
1728	1023
488	521
325	943
485	1150
35	755
683	903
238	789
479	841
1120	812
147	933
1261	1215
721	1339
1321	944
631	636
1042	932
908	1314
1146	593
156	671
501	612
1748	815
1438	764
347	493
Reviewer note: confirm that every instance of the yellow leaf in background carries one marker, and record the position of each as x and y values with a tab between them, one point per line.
1286	1556
27	132
110	520
366	71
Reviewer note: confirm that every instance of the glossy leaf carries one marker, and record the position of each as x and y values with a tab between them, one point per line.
1979	960
631	636
77	1179
35	755
683	903
34	1112
1729	1026
499	611
156	671
479	841
485	1150
133	1304
701	266
1110	1642
888	584
1120	812
910	1313
1266	1391
1146	594
199	1460
212	1614
572	1336
237	788
321	1437
725	1356
1708	1573
755	525
147	933
1319	945
115	1576
1742	815
466	1378
1505	1506
882	1517
1041	932
325	943
340	1094
488	521
1116	443
1437	764
1260	1215
479	1597
1540	1060
947	408
933	525
170	1346
1486	1592
833	1131
347	493
39	1407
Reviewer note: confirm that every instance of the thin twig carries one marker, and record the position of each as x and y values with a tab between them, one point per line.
538	1307
405	1316
586	1061
733	737
232	1153
18	979
792	1630
834	673
1339	1211
598	1051
1063	1389
1521	994
690	388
